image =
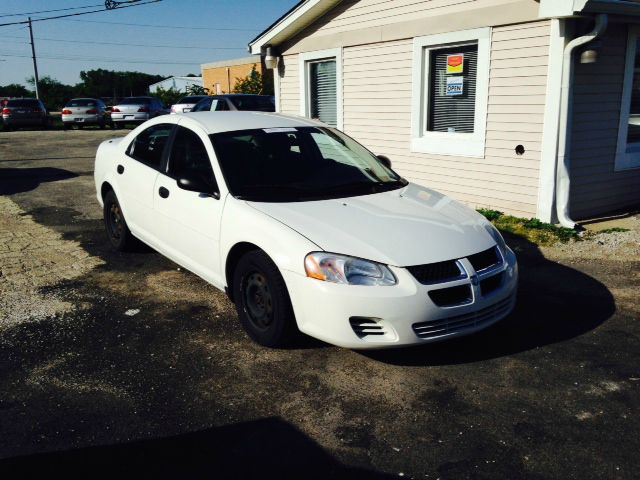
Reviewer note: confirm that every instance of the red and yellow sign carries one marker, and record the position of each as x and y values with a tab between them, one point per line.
455	63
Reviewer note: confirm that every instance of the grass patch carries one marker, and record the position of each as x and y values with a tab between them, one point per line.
613	230
532	229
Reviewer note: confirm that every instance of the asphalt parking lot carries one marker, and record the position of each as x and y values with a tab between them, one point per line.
124	362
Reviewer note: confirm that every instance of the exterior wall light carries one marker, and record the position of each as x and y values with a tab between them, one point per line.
270	58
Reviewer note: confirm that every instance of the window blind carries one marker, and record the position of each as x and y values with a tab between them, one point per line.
452	113
323	92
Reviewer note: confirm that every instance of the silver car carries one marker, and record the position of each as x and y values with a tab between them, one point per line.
135	110
84	111
185	104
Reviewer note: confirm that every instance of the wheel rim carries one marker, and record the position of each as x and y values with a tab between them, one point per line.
116	222
258	300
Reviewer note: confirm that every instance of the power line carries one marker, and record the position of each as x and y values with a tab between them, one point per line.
48	11
190	27
79	13
127	44
98	59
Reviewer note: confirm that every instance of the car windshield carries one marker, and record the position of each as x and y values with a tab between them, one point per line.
253	103
135	101
83	102
25	102
299	164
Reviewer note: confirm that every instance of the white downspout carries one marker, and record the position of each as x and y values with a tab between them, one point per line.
563	181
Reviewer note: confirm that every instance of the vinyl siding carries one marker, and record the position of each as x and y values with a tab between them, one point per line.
377	112
352	15
290	86
596	187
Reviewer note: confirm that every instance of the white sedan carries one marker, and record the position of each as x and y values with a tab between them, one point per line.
305	229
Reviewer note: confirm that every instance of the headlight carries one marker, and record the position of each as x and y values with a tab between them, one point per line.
330	267
497	236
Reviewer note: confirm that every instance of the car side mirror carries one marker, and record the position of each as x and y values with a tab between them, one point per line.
384	160
193	184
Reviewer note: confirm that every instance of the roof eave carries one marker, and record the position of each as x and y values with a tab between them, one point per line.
300	16
570	8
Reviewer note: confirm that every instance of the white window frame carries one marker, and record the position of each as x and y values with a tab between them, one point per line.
628	155
304	59
444	143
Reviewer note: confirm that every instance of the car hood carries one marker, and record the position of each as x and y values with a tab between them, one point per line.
409	226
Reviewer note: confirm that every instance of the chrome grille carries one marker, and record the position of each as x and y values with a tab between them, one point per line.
437	272
459	323
486	259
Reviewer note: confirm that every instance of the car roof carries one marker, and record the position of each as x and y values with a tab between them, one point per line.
217	122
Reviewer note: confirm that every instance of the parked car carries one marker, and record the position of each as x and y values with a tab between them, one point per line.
236	101
305	229
134	110
24	112
85	111
185	104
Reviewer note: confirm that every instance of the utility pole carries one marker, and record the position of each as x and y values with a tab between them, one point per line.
35	64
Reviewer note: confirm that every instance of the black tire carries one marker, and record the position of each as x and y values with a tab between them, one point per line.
262	301
115	225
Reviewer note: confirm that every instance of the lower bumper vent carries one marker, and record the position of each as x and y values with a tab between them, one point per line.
366	326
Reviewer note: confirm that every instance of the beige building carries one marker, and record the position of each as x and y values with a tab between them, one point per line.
220	77
531	107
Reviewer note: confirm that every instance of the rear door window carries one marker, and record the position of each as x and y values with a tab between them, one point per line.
148	147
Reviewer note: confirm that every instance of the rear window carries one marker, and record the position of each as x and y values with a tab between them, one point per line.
253	103
136	101
81	102
23	102
192	99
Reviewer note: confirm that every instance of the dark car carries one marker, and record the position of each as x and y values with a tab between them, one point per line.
24	112
237	101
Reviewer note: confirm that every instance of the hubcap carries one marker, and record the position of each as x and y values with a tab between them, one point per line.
116	225
258	300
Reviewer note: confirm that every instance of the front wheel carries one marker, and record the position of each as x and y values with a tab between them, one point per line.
262	301
117	230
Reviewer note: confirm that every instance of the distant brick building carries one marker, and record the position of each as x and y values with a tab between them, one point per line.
220	77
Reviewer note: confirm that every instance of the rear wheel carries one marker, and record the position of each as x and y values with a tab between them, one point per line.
262	301
115	224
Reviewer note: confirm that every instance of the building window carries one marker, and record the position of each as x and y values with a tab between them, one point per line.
628	153
321	86
450	93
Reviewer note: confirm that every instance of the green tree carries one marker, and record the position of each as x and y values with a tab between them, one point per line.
15	90
53	93
252	83
170	96
197	90
102	83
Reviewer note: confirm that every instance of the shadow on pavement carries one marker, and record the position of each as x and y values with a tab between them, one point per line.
266	448
17	180
555	303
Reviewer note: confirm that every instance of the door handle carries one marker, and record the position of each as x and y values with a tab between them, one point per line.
120	169
163	192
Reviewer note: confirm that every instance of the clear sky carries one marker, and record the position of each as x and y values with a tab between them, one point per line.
218	29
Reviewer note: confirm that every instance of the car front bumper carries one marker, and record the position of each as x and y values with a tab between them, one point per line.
398	315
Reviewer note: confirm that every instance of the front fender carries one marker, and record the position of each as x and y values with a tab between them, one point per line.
243	224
